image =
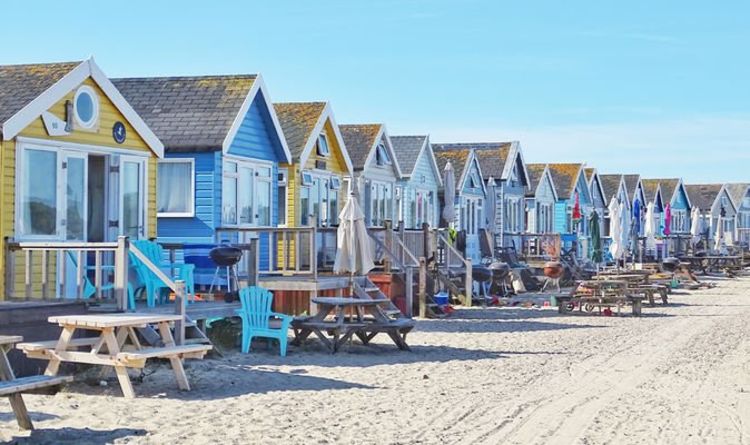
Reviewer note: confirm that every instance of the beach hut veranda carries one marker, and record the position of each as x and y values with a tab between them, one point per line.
223	144
80	167
417	192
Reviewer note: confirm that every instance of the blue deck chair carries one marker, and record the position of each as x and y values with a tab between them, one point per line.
256	316
88	287
153	284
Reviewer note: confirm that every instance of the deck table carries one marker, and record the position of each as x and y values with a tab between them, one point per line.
367	319
117	345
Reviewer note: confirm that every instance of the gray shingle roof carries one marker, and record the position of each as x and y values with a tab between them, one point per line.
20	84
457	157
703	195
738	192
564	176
359	140
492	156
650	189
631	182
610	185
407	149
188	113
297	121
535	175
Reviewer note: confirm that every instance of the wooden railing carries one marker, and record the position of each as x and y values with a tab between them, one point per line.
448	258
110	273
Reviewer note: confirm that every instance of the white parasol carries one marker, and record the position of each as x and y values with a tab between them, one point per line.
649	229
449	184
615	230
353	245
695	225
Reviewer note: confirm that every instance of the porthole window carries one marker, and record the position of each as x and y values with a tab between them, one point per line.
86	107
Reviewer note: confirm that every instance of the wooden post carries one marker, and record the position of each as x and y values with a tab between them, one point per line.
422	287
469	284
121	273
10	270
252	263
402	245
388	244
313	253
98	273
409	283
426	240
179	309
79	274
45	274
27	275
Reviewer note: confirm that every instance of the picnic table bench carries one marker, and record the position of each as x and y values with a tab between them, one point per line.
731	265
12	387
365	320
601	294
117	345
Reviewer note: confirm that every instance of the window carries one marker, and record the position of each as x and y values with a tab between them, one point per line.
335	183
246	194
307	178
323	145
381	202
475	183
175	190
381	155
282	189
39	196
86	107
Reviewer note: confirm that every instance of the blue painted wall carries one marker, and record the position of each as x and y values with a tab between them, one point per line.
680	201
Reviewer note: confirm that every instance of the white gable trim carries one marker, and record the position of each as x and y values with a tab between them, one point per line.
595	178
433	161
513	155
88	68
724	191
383	135
258	86
548	175
467	168
326	115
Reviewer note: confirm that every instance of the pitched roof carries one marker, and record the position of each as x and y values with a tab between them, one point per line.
738	192
21	84
650	188
631	182
589	172
298	120
535	176
407	149
610	185
564	176
359	140
668	187
703	195
492	156
458	157
188	113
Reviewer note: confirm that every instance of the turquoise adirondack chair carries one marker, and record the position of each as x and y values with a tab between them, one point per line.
256	315
153	284
88	287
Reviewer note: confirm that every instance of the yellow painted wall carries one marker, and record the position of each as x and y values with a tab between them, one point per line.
335	163
100	136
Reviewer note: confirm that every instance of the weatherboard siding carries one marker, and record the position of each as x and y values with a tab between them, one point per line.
422	169
256	138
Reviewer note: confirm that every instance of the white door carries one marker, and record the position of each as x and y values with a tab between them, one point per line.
74	213
132	197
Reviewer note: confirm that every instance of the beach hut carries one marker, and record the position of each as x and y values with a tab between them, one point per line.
652	194
673	193
740	194
315	179
418	191
598	203
470	194
613	187
376	170
540	200
223	146
715	205
570	184
79	164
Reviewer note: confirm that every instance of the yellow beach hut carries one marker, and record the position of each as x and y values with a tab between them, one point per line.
78	163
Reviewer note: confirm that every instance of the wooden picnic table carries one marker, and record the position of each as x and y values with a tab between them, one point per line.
13	387
116	345
364	318
731	264
639	283
600	293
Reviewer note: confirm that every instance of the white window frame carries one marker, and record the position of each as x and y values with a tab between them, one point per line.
142	205
87	125
327	152
254	165
20	232
191	205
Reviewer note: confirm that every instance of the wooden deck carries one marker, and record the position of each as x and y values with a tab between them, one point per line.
303	283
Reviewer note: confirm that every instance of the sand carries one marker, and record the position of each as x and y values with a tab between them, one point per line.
678	375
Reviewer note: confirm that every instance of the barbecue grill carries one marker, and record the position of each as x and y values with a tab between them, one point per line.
226	257
500	271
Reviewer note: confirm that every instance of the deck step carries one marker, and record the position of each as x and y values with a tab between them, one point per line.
24	384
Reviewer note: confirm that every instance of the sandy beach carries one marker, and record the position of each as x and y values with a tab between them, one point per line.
678	375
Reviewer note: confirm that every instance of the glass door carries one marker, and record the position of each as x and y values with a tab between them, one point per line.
74	222
132	197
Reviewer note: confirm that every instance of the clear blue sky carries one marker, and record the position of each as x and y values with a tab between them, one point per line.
659	88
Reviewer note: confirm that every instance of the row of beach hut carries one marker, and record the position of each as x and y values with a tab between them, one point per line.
88	158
